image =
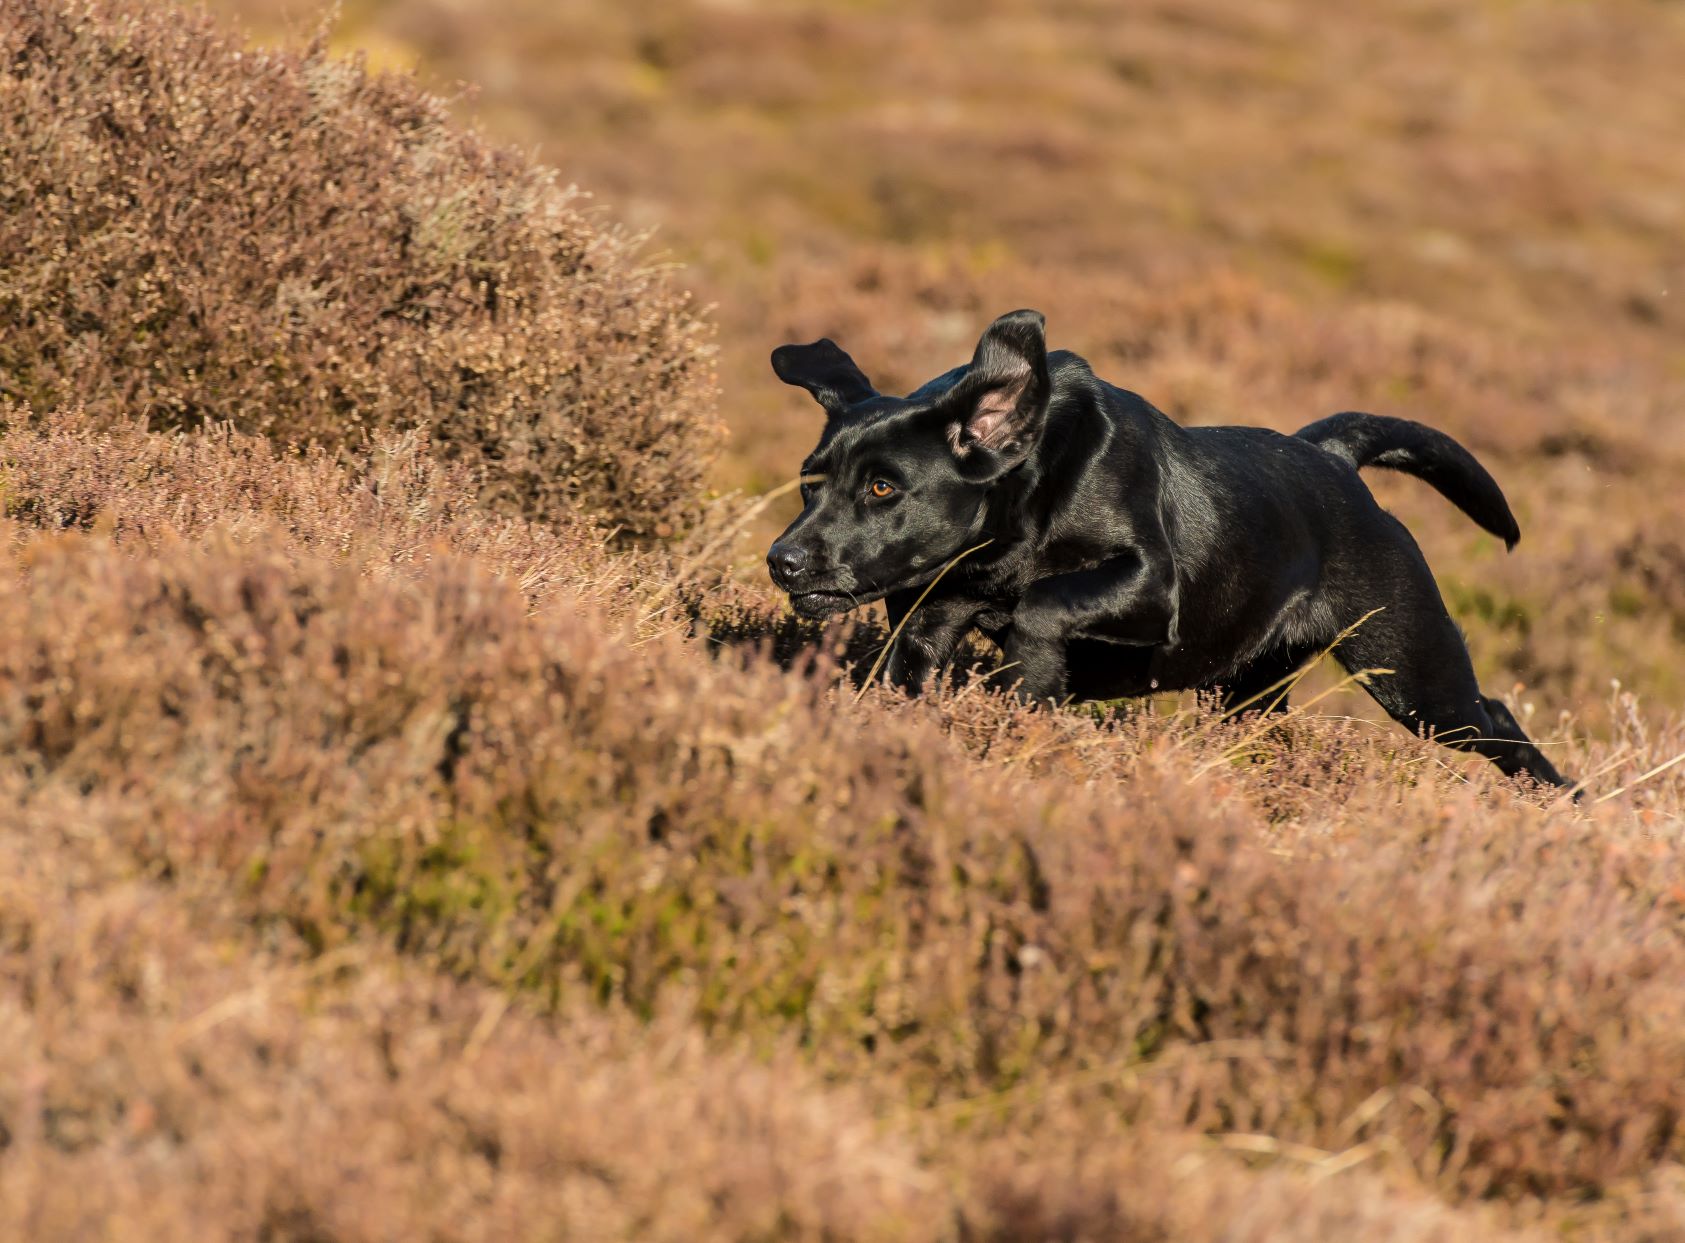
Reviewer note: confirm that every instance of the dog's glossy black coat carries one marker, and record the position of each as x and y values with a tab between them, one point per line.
1121	553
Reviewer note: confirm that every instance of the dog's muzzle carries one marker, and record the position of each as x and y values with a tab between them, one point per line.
793	571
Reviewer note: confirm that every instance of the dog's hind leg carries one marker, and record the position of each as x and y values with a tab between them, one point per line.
1431	688
1508	730
1263	685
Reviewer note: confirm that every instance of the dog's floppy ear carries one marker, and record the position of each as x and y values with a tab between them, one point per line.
998	411
825	371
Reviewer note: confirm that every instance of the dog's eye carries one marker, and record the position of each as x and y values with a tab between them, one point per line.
882	489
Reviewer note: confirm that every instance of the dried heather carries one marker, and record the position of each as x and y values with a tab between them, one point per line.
193	233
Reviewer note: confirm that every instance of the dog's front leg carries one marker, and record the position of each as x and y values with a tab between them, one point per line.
929	635
1129	600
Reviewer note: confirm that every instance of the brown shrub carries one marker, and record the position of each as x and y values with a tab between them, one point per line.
1058	1181
162	1078
390	510
1489	990
193	234
165	1077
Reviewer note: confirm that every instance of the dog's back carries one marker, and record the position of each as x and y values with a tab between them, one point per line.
1265	527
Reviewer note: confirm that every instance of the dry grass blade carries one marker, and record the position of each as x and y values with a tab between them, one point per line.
703	560
1657	771
1270	1146
889	644
1569	795
1268	723
1285	685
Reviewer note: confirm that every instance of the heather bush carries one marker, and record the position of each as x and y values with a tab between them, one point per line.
1488	989
192	233
164	1077
390	509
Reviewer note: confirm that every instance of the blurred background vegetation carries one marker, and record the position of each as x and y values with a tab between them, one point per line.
1471	214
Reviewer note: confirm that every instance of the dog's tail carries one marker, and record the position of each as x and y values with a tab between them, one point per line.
1433	457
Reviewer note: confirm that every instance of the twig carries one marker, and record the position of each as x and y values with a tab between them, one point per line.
895	634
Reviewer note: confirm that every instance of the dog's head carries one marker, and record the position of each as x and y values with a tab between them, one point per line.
897	485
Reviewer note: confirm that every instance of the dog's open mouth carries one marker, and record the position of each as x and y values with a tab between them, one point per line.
821	603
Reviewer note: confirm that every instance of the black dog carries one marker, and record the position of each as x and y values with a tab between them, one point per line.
1121	553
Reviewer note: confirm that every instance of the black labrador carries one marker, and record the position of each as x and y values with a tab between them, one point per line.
1113	552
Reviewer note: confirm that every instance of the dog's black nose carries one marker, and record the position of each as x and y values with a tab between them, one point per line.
786	561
